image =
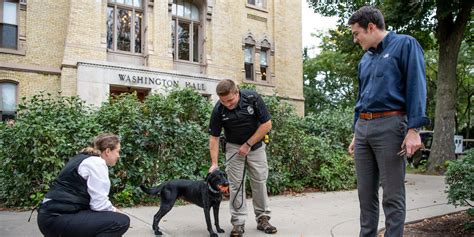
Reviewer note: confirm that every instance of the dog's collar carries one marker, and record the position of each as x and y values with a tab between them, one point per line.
211	189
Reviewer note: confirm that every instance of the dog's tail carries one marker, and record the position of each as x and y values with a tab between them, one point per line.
152	190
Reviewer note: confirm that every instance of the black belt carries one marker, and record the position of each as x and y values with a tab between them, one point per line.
256	146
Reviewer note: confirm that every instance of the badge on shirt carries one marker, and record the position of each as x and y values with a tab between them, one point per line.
250	109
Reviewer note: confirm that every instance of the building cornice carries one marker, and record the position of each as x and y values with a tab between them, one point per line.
148	70
30	68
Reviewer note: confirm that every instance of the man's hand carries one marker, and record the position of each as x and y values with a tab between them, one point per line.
412	142
350	149
244	150
213	167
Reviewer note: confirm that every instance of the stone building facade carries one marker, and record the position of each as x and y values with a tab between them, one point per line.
94	48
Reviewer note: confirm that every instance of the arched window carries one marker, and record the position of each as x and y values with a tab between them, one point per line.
8	100
185	33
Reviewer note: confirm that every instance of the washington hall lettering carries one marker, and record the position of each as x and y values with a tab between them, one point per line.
160	82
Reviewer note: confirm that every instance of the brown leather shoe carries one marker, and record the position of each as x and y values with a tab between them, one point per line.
265	226
237	231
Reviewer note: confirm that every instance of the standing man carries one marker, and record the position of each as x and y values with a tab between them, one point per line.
389	112
245	119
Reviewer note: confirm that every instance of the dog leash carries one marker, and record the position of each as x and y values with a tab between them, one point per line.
241	183
34	208
227	162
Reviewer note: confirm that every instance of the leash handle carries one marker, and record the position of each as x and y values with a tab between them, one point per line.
240	186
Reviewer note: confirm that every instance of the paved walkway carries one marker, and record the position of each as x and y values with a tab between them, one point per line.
309	214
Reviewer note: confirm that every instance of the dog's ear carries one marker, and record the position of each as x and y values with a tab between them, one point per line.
213	172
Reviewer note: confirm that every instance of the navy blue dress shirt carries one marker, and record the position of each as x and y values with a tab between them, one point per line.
393	77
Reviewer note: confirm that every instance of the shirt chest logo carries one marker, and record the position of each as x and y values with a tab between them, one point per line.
386	55
250	109
224	118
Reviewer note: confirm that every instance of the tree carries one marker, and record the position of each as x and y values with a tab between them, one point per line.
452	17
448	21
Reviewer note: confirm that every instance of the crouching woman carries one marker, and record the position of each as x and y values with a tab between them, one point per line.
77	203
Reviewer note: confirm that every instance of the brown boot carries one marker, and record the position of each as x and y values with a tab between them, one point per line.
237	231
265	226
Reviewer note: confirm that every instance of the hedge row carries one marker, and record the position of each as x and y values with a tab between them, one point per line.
164	137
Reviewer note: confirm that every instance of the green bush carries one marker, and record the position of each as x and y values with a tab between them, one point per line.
460	180
334	126
300	156
48	130
164	137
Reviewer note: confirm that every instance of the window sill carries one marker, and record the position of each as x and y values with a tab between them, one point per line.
125	53
21	52
186	62
256	8
259	83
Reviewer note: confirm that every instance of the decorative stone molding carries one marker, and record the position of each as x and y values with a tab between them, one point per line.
9	77
248	39
265	43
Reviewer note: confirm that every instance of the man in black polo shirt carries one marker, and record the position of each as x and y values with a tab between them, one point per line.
245	119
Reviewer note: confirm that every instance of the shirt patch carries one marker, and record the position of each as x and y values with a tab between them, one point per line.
250	109
386	55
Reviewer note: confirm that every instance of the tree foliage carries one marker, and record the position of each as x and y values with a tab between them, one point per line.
440	27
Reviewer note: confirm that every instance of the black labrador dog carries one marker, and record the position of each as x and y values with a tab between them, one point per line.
206	194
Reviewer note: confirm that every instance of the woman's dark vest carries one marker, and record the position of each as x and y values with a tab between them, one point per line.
69	190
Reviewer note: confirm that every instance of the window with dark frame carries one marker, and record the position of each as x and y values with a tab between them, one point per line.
257	3
185	31
263	63
9	24
248	62
8	100
125	26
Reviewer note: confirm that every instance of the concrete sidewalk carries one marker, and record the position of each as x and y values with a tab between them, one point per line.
309	214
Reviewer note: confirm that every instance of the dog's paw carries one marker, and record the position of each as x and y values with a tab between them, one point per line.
214	235
220	230
158	232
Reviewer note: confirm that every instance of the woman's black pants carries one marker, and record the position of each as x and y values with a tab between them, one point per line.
83	223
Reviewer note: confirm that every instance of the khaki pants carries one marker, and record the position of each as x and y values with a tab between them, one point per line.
257	170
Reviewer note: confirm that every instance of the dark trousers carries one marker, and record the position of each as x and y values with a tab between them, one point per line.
83	224
377	143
